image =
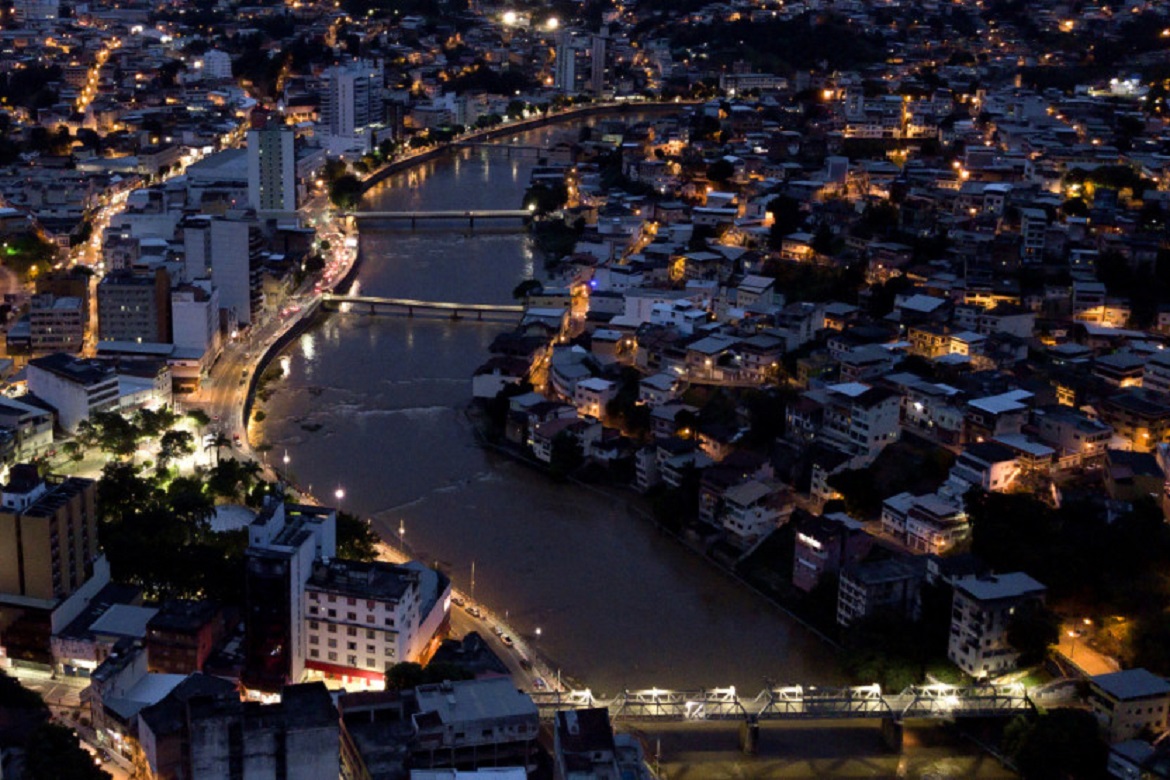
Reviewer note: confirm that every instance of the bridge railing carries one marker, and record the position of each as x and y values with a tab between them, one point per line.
798	702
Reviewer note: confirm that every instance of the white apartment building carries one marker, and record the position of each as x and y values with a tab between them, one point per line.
753	510
981	611
363	617
352	106
927	523
230	252
858	419
590	396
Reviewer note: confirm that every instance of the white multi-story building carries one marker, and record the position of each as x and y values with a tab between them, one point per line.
1156	374
980	615
591	396
361	618
352	108
229	251
928	523
195	317
753	510
272	171
1130	702
75	388
217	65
858	419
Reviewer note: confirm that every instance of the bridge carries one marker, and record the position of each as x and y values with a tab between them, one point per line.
409	307
520	150
414	217
936	701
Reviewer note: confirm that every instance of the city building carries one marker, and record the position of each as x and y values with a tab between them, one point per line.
272	179
50	567
1130	703
854	417
824	545
230	252
203	729
181	636
353	106
585	746
48	534
283	542
56	324
870	588
135	307
929	523
75	388
982	609
361	618
473	723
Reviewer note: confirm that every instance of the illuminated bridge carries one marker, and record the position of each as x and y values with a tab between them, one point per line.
409	307
797	702
414	217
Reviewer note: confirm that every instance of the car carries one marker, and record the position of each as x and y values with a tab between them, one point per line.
507	640
474	612
457	601
539	684
497	631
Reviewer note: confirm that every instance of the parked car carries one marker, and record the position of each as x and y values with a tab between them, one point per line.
507	640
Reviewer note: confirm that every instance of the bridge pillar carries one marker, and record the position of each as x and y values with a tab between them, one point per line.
471	222
749	736
892	734
413	222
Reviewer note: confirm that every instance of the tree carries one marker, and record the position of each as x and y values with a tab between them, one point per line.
566	456
526	288
54	753
356	540
1058	745
122	491
345	192
543	198
218	441
404	676
786	218
173	445
721	171
199	417
1032	629
115	434
151	423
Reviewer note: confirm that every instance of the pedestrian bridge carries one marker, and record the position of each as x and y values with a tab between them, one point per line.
409	307
796	702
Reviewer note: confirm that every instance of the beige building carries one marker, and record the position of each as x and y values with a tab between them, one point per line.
1130	702
48	534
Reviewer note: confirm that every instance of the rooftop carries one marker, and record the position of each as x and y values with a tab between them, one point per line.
1132	684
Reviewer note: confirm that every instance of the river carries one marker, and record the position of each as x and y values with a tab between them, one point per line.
375	406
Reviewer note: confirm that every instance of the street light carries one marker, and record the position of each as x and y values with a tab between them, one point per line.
286	458
402	542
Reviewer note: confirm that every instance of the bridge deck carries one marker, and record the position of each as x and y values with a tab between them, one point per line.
451	214
799	703
410	303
